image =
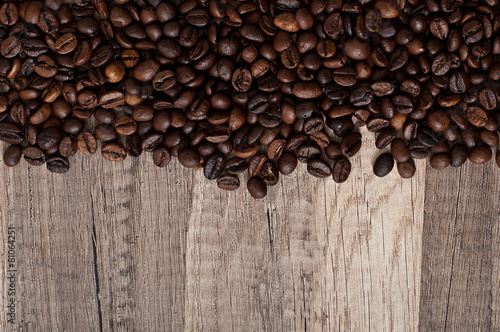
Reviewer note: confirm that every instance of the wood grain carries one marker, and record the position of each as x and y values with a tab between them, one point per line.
134	247
460	273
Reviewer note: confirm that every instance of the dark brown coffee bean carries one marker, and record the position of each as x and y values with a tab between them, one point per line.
12	155
458	154
441	64
214	166
190	158
256	187
318	168
57	164
269	174
287	163
487	99
134	145
440	161
228	182
350	144
383	165
10	47
385	138
400	150
480	154
345	76
66	43
341	170
34	155
477	116
11	133
472	31
406	169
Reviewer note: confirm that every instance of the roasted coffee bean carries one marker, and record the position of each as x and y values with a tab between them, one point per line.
350	144
114	152
341	170
318	168
86	143
57	164
385	138
228	182
269	174
440	161
458	155
12	155
256	187
406	169
11	133
383	165
34	155
214	165
480	154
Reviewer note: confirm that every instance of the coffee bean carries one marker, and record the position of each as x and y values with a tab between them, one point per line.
480	154
86	143
256	187
214	166
10	47
190	158
228	182
11	133
114	152
318	168
477	116
406	169
57	164
34	155
350	144
383	165
341	170
269	174
385	138
12	155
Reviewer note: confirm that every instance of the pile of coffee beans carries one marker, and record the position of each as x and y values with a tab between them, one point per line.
256	86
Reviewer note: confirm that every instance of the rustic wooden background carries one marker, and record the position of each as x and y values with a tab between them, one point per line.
131	247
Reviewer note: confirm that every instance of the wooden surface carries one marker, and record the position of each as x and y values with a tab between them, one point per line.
131	247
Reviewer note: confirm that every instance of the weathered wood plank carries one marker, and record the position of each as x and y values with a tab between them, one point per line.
164	249
460	267
312	255
55	285
140	215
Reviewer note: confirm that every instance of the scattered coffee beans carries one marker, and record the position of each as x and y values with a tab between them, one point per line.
251	86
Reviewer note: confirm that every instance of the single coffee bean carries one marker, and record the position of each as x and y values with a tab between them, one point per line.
228	182
66	43
350	144
34	155
11	133
269	174
214	166
458	155
12	155
383	165
406	169
114	152
480	154
86	143
57	164
287	163
318	168
10	47
341	170
385	138
256	187
190	158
